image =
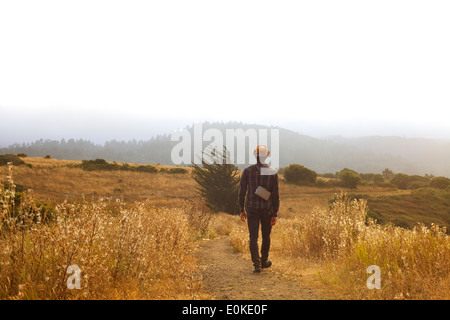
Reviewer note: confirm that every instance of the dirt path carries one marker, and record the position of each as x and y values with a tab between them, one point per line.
227	276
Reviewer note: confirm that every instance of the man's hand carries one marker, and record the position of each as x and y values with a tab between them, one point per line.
243	216
273	221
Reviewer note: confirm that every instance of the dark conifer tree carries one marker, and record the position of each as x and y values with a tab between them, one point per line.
218	181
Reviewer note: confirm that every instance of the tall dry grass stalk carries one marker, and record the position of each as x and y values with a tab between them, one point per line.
327	233
123	252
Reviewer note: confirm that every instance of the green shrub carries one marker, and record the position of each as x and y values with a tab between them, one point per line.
440	182
98	164
387	174
417	184
100	161
378	178
404	182
349	178
102	164
400	180
146	168
15	160
372	177
299	174
177	170
420	181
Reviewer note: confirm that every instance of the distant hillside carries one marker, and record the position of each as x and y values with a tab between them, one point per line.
430	155
367	154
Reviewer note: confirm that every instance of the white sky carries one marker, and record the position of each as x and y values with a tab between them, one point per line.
320	63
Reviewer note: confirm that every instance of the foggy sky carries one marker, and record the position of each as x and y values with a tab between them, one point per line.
102	70
100	128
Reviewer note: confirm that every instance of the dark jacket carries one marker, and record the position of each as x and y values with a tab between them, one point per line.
259	175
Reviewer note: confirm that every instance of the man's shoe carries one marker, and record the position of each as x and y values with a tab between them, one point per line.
266	264
257	269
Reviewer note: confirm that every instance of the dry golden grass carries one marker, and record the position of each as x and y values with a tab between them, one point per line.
52	179
124	252
341	242
336	245
105	238
297	201
42	162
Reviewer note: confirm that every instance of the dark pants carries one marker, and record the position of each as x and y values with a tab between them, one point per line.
255	217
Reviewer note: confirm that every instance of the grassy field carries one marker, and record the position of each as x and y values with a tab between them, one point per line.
108	213
55	180
426	205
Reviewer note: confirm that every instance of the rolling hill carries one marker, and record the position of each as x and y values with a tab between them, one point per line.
365	154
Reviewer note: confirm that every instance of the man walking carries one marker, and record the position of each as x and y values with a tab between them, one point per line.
259	183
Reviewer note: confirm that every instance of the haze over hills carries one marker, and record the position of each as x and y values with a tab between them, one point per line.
431	155
365	154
